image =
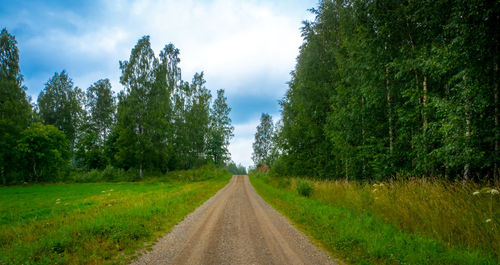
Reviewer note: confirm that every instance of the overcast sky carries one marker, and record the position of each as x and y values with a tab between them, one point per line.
247	48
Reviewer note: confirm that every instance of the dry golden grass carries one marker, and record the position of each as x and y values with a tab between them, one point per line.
456	214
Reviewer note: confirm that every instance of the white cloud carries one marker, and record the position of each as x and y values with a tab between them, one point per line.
245	47
241	145
232	41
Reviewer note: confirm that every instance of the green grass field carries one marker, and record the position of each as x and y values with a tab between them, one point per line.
362	224
96	223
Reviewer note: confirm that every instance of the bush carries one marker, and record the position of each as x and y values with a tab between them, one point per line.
262	175
304	188
283	183
109	174
44	152
279	167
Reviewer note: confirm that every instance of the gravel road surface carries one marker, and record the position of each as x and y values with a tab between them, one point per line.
235	226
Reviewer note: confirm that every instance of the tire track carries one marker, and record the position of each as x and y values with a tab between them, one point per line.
235	226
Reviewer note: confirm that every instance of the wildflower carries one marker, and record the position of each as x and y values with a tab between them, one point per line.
476	193
488	220
493	192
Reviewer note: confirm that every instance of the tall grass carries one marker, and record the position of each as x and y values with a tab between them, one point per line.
442	210
455	214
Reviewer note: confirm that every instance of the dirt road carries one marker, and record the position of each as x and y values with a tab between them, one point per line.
234	227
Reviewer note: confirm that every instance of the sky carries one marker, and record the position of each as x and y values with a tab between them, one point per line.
247	48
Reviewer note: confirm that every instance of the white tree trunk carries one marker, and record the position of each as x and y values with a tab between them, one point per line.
497	124
467	132
389	112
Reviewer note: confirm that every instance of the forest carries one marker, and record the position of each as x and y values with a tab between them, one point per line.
385	89
158	123
386	150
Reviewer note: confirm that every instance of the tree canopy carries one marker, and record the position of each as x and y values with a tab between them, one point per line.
391	88
157	123
263	140
15	110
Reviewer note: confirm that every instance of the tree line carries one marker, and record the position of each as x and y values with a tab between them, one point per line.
157	123
393	88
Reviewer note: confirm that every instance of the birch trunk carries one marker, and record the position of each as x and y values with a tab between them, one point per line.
424	104
467	133
363	131
389	112
497	124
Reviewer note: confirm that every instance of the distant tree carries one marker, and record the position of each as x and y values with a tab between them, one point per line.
44	152
198	121
60	104
181	100
15	110
191	115
221	130
89	153
167	80
263	140
134	120
236	169
276	143
97	124
101	105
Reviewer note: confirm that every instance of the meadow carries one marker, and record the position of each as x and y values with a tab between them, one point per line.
97	223
414	221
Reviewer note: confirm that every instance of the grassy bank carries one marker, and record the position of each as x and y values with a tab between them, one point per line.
412	222
97	223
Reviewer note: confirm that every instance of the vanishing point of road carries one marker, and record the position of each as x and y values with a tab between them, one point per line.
235	226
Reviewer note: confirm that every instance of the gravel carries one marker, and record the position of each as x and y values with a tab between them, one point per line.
235	226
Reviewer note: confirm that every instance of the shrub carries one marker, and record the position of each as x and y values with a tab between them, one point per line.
304	188
284	183
109	174
44	152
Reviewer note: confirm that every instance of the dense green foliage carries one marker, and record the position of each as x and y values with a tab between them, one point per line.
385	88
157	123
163	122
60	104
381	232
101	223
304	188
44	153
263	141
99	119
220	130
15	110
